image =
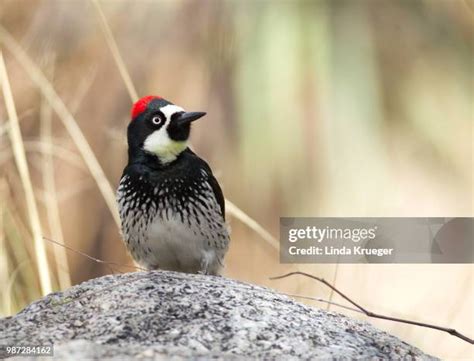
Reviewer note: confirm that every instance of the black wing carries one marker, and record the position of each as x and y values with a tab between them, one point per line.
217	193
212	181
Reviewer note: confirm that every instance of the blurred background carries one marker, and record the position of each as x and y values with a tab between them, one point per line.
315	108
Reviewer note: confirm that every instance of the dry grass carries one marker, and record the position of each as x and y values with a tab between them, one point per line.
112	44
20	159
51	197
5	309
67	119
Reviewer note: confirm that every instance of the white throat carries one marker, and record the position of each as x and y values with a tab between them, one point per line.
160	144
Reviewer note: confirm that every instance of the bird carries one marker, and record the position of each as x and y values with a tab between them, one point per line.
171	207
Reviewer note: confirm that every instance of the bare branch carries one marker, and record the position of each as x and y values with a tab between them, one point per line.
451	331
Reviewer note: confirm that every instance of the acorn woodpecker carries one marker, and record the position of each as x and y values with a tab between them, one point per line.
171	206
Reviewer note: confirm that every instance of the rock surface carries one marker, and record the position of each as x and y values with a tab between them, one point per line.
161	315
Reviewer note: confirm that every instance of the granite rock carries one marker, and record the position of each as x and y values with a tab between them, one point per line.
162	315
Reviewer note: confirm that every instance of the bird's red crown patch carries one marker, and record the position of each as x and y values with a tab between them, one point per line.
141	105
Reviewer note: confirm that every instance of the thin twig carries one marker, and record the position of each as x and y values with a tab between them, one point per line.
334	280
451	331
318	299
98	260
22	165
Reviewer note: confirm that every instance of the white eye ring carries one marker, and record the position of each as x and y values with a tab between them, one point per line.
156	120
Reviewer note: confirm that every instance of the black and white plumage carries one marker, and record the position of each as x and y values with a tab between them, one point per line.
171	206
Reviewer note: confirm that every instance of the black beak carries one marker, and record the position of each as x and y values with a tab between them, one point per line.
188	117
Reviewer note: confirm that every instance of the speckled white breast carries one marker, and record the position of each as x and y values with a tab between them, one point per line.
161	232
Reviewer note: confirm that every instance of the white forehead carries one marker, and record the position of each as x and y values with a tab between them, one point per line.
170	109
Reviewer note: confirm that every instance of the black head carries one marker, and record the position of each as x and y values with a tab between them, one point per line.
160	128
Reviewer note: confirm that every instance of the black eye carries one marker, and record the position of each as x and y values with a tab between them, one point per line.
157	120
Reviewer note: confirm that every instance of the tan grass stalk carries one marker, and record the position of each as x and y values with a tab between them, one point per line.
20	159
9	286
5	309
4	127
49	183
67	119
17	236
82	90
251	223
232	209
116	53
